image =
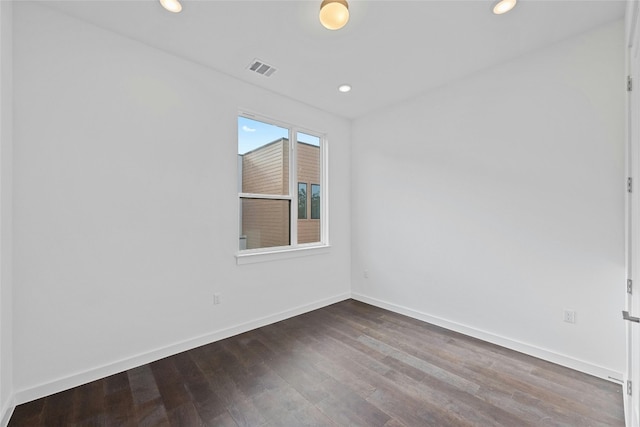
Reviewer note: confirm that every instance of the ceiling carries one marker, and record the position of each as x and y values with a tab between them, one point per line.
390	50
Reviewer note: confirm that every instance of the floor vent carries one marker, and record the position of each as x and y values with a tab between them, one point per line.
261	68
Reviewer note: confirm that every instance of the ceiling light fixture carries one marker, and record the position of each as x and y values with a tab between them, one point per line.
344	88
171	5
504	6
334	14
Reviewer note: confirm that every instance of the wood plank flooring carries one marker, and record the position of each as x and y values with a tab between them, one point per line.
349	364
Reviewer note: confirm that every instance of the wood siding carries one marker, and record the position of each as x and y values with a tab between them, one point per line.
265	223
265	170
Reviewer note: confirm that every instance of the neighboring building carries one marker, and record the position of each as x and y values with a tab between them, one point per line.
265	170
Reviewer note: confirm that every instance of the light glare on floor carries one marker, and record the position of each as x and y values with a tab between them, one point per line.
344	88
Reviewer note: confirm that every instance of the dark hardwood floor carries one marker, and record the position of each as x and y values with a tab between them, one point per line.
349	364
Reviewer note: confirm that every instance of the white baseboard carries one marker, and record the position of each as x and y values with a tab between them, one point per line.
531	350
65	383
7	411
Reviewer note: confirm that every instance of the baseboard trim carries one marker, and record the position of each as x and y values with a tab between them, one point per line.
531	350
7	411
65	383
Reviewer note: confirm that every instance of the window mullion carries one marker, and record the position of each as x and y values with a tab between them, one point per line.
293	187
324	192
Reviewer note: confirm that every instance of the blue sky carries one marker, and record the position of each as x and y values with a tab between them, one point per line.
253	134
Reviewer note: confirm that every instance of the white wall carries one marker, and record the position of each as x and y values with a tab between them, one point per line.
492	204
6	340
125	206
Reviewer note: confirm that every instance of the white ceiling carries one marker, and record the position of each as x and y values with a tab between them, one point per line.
389	51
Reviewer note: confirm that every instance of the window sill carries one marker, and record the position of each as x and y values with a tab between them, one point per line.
248	257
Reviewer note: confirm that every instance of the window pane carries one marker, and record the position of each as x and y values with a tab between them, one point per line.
264	223
308	139
302	200
308	161
263	158
315	201
267	185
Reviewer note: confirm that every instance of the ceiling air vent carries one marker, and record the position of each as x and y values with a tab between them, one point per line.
261	68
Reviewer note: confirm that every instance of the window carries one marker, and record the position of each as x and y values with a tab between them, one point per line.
272	212
302	200
315	201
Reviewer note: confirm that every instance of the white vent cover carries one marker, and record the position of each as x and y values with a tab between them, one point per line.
260	67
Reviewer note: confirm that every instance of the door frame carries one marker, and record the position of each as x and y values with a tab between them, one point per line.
632	215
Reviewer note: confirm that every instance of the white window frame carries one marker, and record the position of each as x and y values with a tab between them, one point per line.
294	250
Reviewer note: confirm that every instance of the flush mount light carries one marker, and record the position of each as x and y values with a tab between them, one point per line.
504	6
344	88
334	14
171	5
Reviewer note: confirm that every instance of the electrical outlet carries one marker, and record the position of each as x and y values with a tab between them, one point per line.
570	316
366	274
216	299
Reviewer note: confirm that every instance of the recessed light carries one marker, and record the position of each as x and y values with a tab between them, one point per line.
504	6
344	88
171	5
